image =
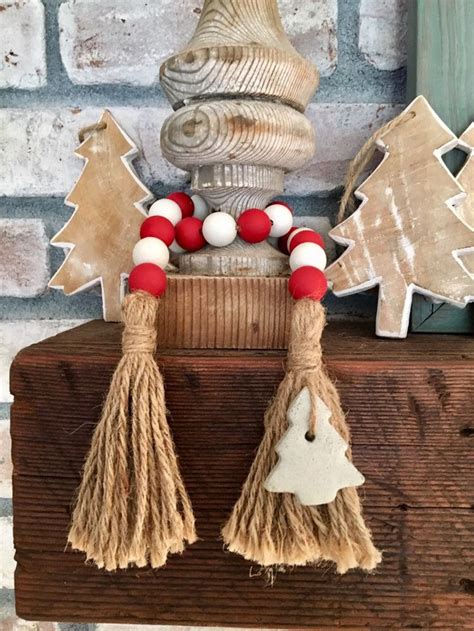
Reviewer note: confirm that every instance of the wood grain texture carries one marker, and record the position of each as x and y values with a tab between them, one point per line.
406	236
108	201
235	187
236	260
263	138
225	312
237	132
239	48
410	410
441	49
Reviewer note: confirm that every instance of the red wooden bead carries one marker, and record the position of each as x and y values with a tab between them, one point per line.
254	225
305	236
184	202
158	227
307	282
147	277
283	241
189	234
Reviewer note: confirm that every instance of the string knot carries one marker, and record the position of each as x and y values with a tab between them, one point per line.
139	339
301	361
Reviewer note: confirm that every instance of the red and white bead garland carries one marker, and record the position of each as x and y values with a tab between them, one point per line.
181	223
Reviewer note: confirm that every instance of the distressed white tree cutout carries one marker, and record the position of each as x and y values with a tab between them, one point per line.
406	235
108	200
313	468
465	178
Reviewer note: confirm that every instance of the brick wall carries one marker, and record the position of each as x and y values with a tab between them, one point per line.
62	61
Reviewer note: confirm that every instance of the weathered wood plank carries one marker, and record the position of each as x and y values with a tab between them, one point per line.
410	408
428	587
344	343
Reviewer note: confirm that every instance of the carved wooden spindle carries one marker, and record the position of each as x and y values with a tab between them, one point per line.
240	90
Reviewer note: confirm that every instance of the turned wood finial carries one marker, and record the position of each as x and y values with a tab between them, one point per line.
239	89
239	49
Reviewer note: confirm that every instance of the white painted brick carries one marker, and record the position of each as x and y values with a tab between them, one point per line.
22	44
36	155
341	130
118	41
5	459
15	335
312	29
37	148
9	621
7	562
24	261
383	32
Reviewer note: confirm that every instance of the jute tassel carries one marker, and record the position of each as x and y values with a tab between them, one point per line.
274	529
132	507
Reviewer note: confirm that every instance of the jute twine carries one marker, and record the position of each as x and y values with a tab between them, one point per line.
362	159
132	507
274	529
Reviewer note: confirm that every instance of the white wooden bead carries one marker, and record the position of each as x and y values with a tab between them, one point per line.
310	254
176	248
219	229
166	208
201	207
281	218
151	250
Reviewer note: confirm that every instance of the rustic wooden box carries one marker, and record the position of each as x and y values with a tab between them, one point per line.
410	406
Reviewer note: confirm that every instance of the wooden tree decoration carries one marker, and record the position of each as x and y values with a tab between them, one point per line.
239	89
406	236
108	200
466	180
466	176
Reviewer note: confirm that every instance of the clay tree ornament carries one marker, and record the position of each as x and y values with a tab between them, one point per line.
108	201
407	236
313	467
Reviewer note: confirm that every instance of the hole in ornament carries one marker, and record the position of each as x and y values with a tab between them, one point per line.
90	129
309	436
465	432
403	507
454	160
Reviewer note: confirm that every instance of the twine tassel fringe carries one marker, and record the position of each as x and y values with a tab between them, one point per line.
274	529
132	507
